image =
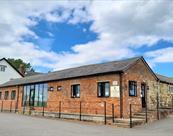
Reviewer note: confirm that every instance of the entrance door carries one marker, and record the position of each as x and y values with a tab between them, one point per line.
143	95
32	94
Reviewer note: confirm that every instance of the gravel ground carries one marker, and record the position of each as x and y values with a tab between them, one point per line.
19	125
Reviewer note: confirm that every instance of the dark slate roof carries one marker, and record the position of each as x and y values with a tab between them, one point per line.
165	79
31	73
109	67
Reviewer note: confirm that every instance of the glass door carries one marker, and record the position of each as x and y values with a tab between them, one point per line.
32	96
143	95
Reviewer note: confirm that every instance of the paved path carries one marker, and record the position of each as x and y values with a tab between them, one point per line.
19	125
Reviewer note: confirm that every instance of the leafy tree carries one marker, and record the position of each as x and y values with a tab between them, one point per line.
17	62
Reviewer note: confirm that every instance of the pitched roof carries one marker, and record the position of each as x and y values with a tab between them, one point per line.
12	66
31	73
165	79
88	70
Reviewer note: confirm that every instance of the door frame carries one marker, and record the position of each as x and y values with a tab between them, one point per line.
144	99
31	97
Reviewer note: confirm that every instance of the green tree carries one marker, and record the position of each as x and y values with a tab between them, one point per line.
17	62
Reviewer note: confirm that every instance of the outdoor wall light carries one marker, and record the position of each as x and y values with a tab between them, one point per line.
59	88
51	88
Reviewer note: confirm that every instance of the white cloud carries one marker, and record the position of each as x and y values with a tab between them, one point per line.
161	55
120	25
50	34
15	22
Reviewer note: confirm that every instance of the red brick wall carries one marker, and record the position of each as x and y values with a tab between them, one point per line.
8	104
91	104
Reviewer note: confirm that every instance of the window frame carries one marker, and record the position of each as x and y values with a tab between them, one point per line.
72	93
135	87
39	93
13	91
3	68
0	95
23	96
6	97
171	89
104	82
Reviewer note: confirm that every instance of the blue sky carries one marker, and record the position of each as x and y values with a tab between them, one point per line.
66	34
63	36
161	68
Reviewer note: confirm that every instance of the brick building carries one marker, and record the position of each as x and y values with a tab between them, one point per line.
91	88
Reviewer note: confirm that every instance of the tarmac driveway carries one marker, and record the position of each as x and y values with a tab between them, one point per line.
19	125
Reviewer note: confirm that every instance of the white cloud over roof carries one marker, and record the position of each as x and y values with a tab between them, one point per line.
121	26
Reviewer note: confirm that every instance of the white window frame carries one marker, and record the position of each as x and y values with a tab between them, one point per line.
2	68
171	89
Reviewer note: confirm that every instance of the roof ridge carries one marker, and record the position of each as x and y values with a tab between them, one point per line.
127	59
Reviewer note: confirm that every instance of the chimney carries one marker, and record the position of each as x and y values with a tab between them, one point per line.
22	69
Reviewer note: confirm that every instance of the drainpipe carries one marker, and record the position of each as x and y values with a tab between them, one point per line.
158	91
121	96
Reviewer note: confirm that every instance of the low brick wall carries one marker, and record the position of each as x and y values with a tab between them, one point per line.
84	117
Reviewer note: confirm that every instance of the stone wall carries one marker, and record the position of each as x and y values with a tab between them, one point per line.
152	94
165	95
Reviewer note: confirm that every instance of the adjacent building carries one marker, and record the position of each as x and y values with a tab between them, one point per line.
91	88
165	90
8	71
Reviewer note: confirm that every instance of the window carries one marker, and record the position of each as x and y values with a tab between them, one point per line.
26	93
0	95
6	95
35	95
32	95
36	100
2	68
13	95
171	89
103	89
45	94
132	88
75	91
